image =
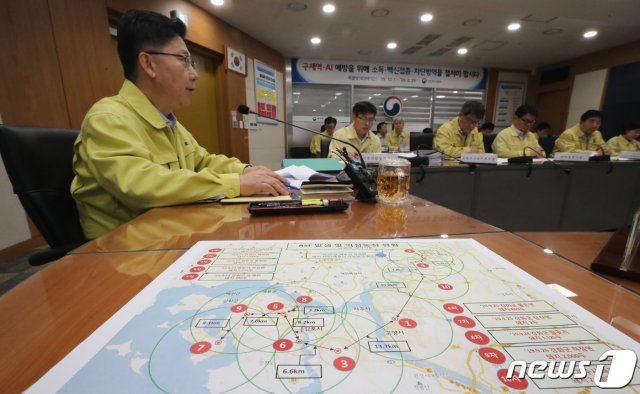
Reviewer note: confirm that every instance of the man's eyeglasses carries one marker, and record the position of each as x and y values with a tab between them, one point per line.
366	120
528	122
186	59
471	121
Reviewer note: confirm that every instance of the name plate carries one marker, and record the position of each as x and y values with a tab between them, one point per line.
376	158
629	155
479	158
572	156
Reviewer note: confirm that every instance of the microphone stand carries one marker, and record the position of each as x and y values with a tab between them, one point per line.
243	109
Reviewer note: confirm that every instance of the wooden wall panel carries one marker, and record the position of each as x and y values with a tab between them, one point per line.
85	53
30	82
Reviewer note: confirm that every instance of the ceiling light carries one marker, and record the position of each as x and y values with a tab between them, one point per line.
392	45
380	12
590	34
322	106
462	51
339	110
338	93
377	94
455	92
295	102
369	98
328	8
426	17
513	27
296	93
404	99
315	40
314	110
217	3
441	96
415	96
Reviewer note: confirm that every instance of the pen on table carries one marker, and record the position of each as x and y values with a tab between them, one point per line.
290	186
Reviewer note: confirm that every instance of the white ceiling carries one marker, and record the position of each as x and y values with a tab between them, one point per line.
352	33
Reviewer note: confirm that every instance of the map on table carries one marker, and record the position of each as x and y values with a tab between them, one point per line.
403	315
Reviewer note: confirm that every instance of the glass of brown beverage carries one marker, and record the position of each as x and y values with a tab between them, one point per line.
393	180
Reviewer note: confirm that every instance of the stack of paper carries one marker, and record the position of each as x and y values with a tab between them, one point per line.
299	174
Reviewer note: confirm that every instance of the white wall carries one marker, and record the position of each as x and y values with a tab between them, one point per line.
586	94
13	220
267	143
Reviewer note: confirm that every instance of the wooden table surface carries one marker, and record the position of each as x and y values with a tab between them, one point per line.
50	313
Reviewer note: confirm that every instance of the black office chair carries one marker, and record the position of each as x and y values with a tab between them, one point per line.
324	147
422	140
488	141
38	162
299	152
547	144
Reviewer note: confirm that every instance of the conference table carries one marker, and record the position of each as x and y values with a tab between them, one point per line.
49	314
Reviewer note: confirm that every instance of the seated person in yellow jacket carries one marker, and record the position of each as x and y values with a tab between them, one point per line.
358	132
460	135
398	139
517	139
626	141
329	128
132	154
584	136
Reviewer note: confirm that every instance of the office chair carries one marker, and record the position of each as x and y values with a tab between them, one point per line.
38	163
547	144
324	147
424	140
488	141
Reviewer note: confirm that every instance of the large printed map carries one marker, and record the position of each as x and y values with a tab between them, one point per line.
403	315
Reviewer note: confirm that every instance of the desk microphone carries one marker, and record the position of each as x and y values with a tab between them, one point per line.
363	179
603	157
524	159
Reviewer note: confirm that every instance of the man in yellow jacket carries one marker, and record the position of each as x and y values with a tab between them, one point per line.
398	139
329	127
132	154
626	141
584	136
516	140
358	132
461	135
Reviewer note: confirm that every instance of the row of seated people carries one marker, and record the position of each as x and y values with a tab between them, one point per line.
461	135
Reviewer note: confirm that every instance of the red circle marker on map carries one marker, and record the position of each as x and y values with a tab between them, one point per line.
344	363
275	306
477	337
464	321
491	355
238	308
204	262
215	250
210	255
282	345
409	250
515	382
423	265
408	323
453	308
304	299
189	276
197	269
445	286
200	347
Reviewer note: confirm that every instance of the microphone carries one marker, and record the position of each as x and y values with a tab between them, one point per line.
245	110
603	157
524	159
363	179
